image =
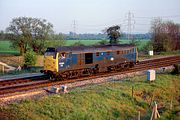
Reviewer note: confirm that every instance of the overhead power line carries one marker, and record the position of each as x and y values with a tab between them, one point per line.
146	17
130	23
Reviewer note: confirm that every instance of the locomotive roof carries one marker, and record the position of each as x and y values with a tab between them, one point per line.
95	48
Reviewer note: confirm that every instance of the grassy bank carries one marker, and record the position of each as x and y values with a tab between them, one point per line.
162	54
106	101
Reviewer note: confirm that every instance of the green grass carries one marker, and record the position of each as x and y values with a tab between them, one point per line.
162	54
102	102
5	45
93	42
6	49
85	42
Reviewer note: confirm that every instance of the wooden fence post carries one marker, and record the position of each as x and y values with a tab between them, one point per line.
139	115
171	105
132	91
155	113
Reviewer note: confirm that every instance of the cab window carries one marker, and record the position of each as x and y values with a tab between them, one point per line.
49	54
62	56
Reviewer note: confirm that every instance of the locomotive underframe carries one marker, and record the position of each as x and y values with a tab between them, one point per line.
75	73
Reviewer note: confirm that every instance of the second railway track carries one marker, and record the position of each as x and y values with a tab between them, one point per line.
15	81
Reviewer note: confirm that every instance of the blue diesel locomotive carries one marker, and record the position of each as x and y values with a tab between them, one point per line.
75	61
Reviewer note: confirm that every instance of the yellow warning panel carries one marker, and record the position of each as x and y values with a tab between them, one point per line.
50	63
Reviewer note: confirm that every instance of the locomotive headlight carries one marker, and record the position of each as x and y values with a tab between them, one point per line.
112	59
61	64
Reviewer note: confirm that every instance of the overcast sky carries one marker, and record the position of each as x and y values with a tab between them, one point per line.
91	16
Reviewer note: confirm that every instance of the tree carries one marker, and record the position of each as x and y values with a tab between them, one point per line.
29	32
113	34
147	47
165	35
2	35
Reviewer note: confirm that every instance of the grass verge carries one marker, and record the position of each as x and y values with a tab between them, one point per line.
111	100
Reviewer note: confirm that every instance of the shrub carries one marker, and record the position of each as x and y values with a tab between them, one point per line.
30	58
176	69
147	47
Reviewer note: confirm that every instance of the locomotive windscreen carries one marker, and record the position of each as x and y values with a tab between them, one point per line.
50	51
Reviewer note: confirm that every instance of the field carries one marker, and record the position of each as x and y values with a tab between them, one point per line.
6	49
107	101
93	42
85	42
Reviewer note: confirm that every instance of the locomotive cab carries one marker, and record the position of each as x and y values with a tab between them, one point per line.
50	60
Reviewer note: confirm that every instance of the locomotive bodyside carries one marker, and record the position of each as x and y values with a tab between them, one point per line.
69	62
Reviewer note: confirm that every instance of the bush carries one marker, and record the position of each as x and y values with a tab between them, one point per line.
176	69
30	58
147	47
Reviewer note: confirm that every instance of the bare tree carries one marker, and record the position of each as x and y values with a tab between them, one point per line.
165	35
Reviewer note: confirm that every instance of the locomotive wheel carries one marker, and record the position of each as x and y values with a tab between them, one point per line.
73	74
87	72
59	77
131	65
56	76
67	75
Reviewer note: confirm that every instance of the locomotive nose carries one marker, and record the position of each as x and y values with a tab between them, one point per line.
51	63
51	60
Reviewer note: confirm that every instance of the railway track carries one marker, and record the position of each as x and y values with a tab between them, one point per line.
144	65
16	81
